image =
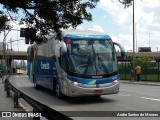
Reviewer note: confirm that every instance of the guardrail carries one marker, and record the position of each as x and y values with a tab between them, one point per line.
38	107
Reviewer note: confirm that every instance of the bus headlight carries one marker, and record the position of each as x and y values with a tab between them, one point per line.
115	81
76	83
65	81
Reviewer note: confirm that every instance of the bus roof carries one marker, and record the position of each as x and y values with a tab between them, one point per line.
77	34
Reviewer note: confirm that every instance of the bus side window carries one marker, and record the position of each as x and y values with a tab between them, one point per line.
30	53
63	62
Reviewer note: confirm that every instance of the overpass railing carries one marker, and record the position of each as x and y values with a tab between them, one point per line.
38	107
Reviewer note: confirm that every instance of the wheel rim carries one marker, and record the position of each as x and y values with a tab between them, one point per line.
34	81
35	85
57	90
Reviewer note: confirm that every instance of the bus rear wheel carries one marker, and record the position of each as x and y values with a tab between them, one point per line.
97	96
35	83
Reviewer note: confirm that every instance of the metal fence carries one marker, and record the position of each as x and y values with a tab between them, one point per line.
4	69
150	73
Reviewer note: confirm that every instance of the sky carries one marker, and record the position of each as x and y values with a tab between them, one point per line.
111	17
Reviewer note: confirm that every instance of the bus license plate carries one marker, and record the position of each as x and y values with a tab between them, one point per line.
98	91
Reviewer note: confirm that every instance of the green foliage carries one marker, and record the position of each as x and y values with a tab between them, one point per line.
45	16
143	61
3	22
127	3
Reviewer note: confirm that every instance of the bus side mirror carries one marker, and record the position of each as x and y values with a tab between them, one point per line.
123	54
60	49
64	49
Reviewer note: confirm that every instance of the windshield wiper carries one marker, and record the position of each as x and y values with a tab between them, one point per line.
94	54
88	63
98	67
100	60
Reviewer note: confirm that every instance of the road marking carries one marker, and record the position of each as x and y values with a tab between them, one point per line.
123	95
151	99
27	110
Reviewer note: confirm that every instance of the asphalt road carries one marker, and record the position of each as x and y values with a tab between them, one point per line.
130	98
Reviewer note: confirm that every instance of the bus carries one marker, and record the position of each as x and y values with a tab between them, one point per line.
83	63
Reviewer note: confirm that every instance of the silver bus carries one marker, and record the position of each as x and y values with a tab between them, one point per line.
83	63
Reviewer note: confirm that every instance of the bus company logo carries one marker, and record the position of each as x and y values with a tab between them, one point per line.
97	76
45	66
6	114
20	114
97	85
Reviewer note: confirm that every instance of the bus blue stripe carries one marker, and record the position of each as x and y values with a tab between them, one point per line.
93	81
71	36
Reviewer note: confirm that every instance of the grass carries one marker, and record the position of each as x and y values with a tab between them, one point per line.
144	77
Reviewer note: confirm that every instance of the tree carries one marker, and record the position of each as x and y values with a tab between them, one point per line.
3	22
127	3
43	16
143	61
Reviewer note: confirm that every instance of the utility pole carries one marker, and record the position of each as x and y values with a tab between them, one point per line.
127	3
4	49
133	38
149	39
11	43
4	61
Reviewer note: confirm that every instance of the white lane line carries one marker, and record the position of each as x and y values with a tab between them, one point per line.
123	95
27	110
151	99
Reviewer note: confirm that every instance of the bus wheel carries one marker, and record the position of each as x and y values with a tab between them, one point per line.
97	96
35	84
57	91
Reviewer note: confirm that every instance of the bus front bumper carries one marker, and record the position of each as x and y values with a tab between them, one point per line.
76	89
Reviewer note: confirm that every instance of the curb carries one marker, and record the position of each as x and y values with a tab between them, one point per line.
141	83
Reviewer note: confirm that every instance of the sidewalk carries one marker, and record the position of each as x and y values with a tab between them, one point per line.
7	105
141	82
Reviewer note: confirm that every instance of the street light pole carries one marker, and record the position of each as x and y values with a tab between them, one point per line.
4	47
4	61
133	38
127	4
149	39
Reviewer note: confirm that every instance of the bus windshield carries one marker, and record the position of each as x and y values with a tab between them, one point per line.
92	57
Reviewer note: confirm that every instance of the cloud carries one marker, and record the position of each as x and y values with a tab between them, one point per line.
94	28
80	28
124	40
119	27
116	10
147	21
97	28
144	11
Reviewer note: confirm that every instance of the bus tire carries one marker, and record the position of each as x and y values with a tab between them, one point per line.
97	96
58	91
35	83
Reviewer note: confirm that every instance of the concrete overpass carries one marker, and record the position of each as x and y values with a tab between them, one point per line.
22	55
151	55
18	55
